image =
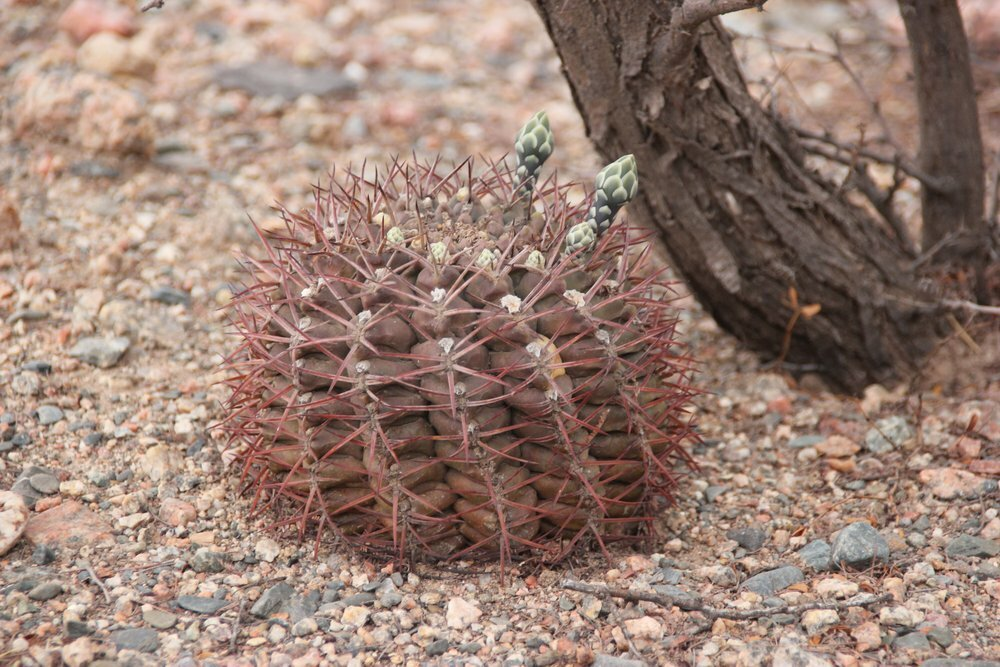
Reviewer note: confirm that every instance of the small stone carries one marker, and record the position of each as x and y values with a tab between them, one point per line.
943	637
682	598
177	512
271	600
816	555
72	487
158	461
951	483
868	636
276	634
144	640
859	545
836	587
645	627
605	660
206	560
133	521
913	641
471	647
200	605
888	434
816	620
437	647
76	629
69	526
79	653
26	383
591	607
305	627
49	414
274	78
750	538
43	555
461	614
391	599
803	441
772	581
837	446
44	482
356	616
159	619
45	591
104	53
267	549
899	616
100	352
170	296
968	546
713	492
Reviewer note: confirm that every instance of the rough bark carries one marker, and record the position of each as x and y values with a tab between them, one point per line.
951	147
742	216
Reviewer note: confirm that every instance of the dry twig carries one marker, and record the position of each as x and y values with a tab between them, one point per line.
153	4
727	614
96	579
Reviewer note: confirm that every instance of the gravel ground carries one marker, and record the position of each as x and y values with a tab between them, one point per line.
133	164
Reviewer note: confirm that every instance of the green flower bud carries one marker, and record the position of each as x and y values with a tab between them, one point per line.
487	259
536	260
580	237
615	186
439	252
395	236
533	145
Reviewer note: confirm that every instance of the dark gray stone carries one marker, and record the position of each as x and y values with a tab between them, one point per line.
803	441
200	605
77	629
93	169
437	647
49	414
682	598
750	538
888	434
356	600
968	546
772	581
144	640
100	352
859	545
913	641
713	492
45	591
471	647
161	620
44	482
391	599
43	555
170	296
300	607
206	560
274	78
943	637
817	555
271	600
38	366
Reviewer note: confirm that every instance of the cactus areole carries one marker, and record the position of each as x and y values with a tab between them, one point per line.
435	364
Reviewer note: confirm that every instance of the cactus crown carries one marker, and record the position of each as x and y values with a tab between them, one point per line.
434	365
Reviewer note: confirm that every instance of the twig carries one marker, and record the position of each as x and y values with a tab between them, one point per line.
685	19
728	614
971	306
97	580
236	626
153	4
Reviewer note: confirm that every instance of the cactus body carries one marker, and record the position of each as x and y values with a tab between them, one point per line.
449	384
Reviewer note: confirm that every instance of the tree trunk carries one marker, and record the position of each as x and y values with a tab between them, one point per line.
951	147
743	218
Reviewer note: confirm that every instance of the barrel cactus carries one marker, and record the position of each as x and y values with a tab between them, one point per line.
435	364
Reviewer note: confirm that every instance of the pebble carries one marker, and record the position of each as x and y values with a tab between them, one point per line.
305	627
356	616
144	640
887	435
69	525
267	549
437	647
943	637
591	607
100	352
177	512
838	446
391	599
38	366
271	600
605	660
835	587
952	483
170	296
858	545
159	619
274	78
460	614
158	461
43	555
803	441
899	616
49	414
867	636
750	538
201	605
913	641
26	383
815	621
772	581
72	487
79	653
44	482
133	521
206	560
45	591
644	627
968	546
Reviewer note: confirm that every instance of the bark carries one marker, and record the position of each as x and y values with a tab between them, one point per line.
951	147
742	216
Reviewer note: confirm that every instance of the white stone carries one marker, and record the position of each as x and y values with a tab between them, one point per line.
816	620
267	549
13	519
461	614
645	627
901	616
836	587
355	615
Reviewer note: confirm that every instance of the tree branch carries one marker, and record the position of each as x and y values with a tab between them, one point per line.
153	4
728	614
686	18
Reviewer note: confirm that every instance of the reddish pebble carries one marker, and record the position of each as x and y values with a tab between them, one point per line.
176	512
84	18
